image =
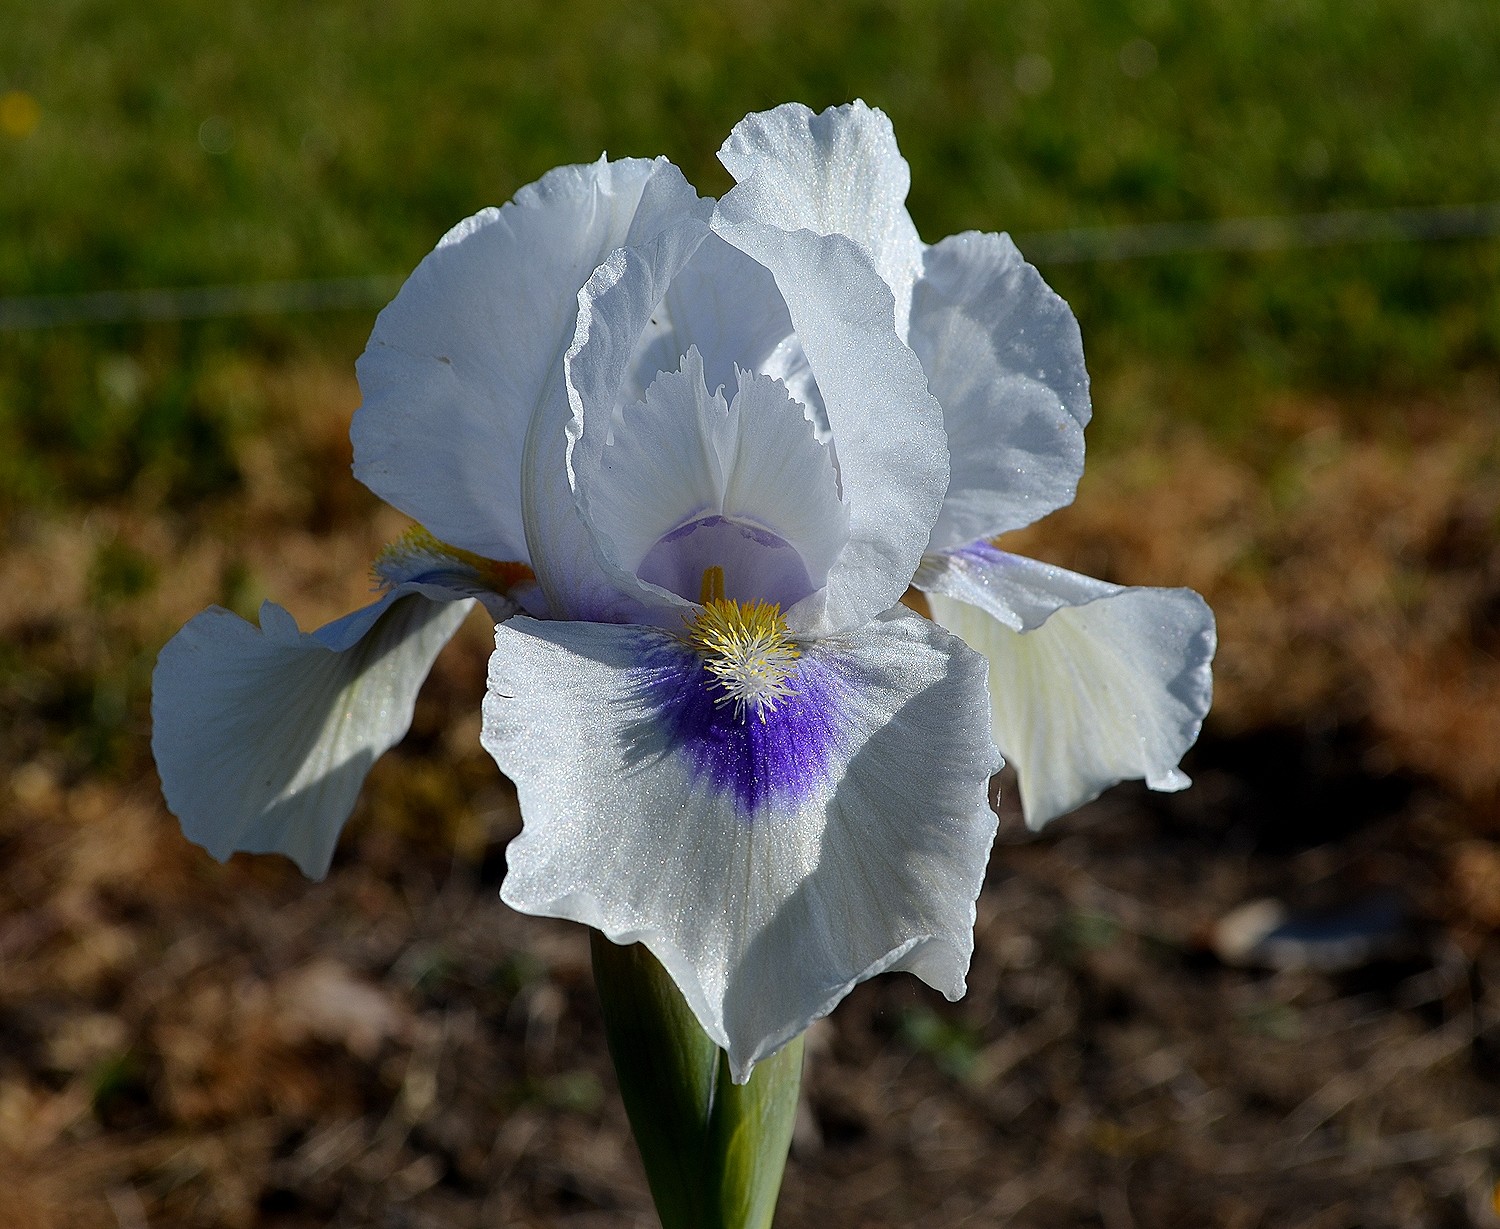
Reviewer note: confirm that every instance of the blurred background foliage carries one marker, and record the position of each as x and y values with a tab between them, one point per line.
170	143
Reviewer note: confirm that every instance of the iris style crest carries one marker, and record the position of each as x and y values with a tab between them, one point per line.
688	482
689	455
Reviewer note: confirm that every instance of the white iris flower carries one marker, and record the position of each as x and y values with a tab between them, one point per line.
690	455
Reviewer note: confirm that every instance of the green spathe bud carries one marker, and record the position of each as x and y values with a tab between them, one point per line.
714	1150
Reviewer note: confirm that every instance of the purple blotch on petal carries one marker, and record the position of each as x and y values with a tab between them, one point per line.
781	761
982	552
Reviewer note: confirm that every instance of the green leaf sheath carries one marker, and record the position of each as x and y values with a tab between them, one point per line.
713	1150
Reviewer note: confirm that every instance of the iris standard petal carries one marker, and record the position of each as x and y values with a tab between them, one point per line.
887	429
691	481
835	173
460	362
563	551
769	864
1004	358
262	736
727	307
1090	683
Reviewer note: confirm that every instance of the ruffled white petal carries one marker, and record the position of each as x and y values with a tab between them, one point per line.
263	736
782	477
470	349
563	552
726	306
887	430
765	917
835	173
1090	683
686	457
1004	358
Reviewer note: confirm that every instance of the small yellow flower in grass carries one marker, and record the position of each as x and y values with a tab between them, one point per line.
19	114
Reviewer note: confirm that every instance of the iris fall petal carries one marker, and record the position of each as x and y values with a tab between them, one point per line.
263	736
1090	683
770	866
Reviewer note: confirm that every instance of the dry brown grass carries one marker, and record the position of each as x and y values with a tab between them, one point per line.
183	1044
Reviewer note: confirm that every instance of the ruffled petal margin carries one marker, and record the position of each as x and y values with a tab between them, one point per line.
888	436
685	456
263	736
1004	357
634	279
770	868
887	430
838	172
1090	683
468	353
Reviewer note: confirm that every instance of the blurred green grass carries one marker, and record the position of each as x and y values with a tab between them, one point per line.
184	144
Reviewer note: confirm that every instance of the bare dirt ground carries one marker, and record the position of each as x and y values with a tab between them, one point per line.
184	1044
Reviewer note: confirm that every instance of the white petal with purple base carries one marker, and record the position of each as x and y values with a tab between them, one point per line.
1090	683
770	865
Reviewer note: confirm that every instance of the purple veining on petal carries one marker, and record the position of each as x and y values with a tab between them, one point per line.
757	563
761	537
981	552
783	760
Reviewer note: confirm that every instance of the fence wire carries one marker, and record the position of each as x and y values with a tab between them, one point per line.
1269	234
1051	247
197	302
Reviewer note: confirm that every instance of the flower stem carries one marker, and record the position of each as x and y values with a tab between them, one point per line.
713	1150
